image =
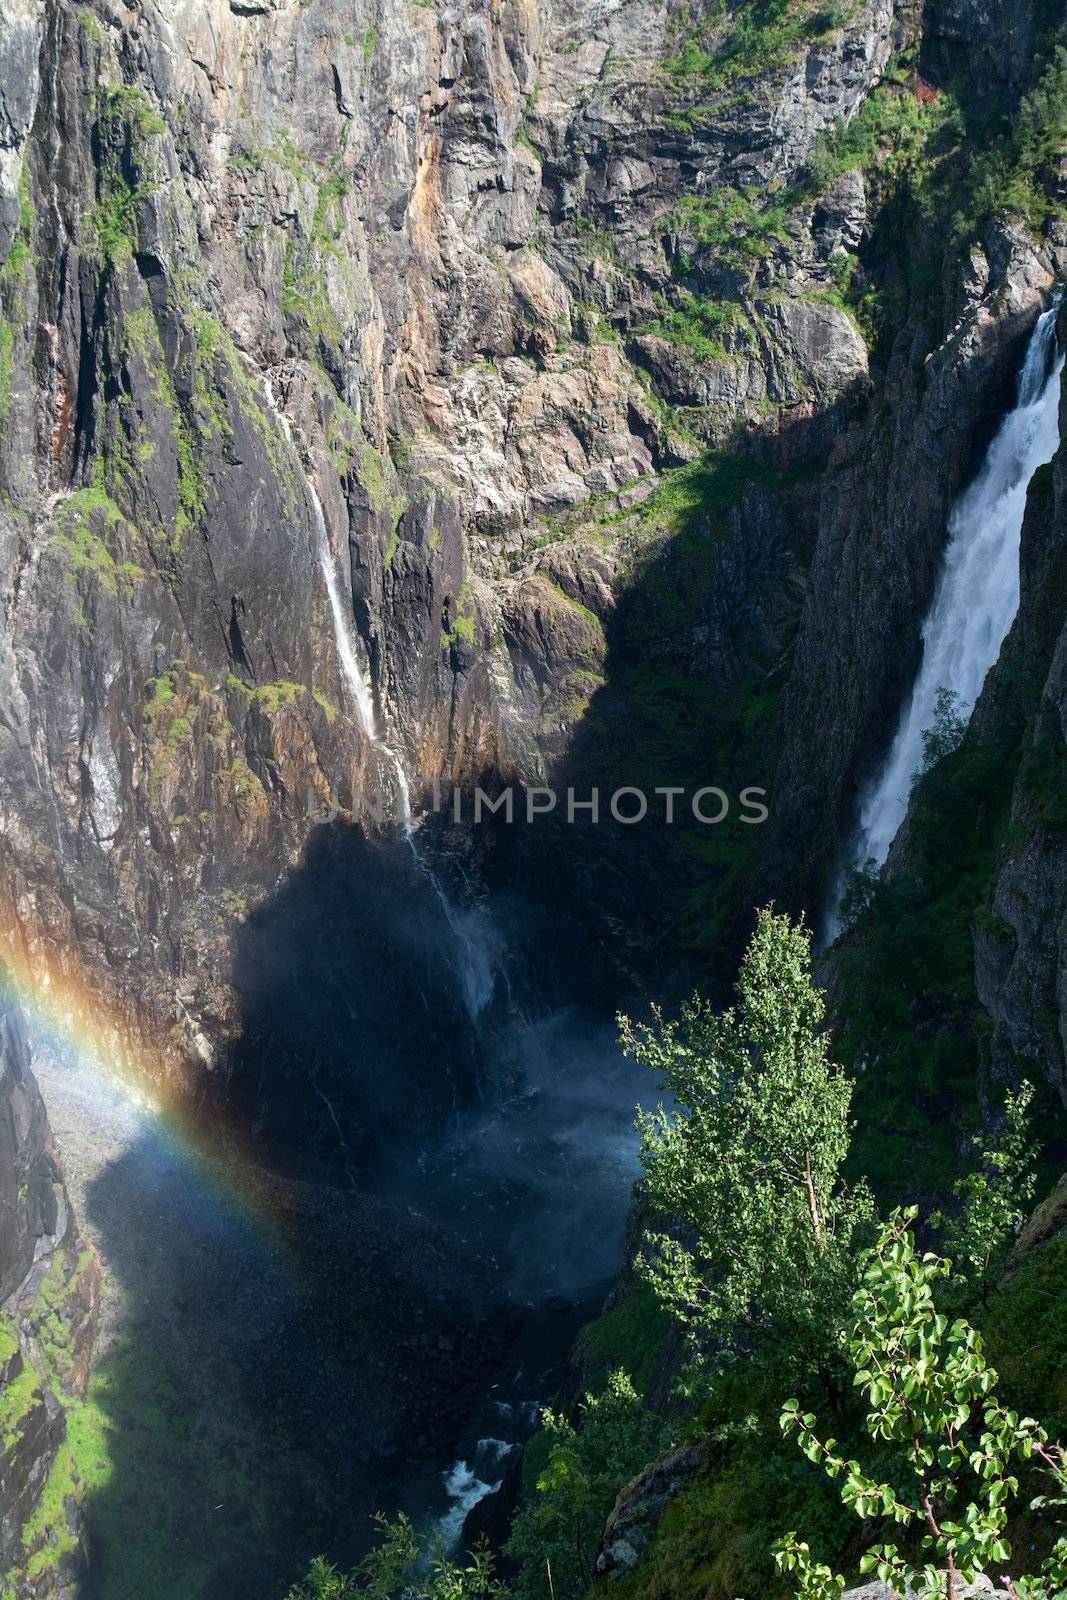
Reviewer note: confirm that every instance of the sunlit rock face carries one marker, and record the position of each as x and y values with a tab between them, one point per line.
259	251
437	274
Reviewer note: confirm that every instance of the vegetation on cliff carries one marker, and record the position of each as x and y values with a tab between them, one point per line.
939	1427
758	1253
782	1281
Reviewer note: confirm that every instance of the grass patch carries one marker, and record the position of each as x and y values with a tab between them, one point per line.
631	1336
18	1401
274	697
9	1342
762	36
53	1328
126	123
87	528
462	617
14	277
696	326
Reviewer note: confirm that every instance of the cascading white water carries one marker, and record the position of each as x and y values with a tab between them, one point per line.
977	594
465	1488
476	965
357	679
475	944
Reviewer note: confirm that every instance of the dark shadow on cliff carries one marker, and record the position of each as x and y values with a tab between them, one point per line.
688	697
354	1034
294	1351
280	1359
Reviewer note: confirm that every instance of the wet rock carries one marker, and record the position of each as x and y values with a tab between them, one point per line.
639	1507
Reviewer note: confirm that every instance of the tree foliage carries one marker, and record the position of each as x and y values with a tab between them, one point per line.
947	729
391	1569
756	1248
555	1534
932	1409
993	1198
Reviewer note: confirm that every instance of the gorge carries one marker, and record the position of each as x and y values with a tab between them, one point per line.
403	398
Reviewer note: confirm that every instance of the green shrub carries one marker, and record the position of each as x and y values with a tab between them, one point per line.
954	1448
585	1465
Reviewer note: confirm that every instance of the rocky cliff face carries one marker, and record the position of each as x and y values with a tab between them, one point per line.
882	519
410	267
1021	946
979	864
48	1299
619	365
553	328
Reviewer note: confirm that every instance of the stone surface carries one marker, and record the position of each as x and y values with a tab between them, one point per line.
1049	1219
982	1586
640	1506
406	271
49	1288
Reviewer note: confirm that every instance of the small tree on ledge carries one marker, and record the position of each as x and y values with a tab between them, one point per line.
931	1400
758	1255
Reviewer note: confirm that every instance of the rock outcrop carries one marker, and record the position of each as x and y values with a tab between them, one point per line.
981	1587
1049	1219
639	1507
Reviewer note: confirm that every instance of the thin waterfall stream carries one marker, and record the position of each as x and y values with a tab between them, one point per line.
474	939
977	594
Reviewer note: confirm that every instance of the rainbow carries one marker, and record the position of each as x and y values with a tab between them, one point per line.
64	1017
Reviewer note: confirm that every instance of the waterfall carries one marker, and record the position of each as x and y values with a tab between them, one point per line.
476	954
476	948
977	594
356	676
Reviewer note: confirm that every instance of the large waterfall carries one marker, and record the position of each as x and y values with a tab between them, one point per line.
977	594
